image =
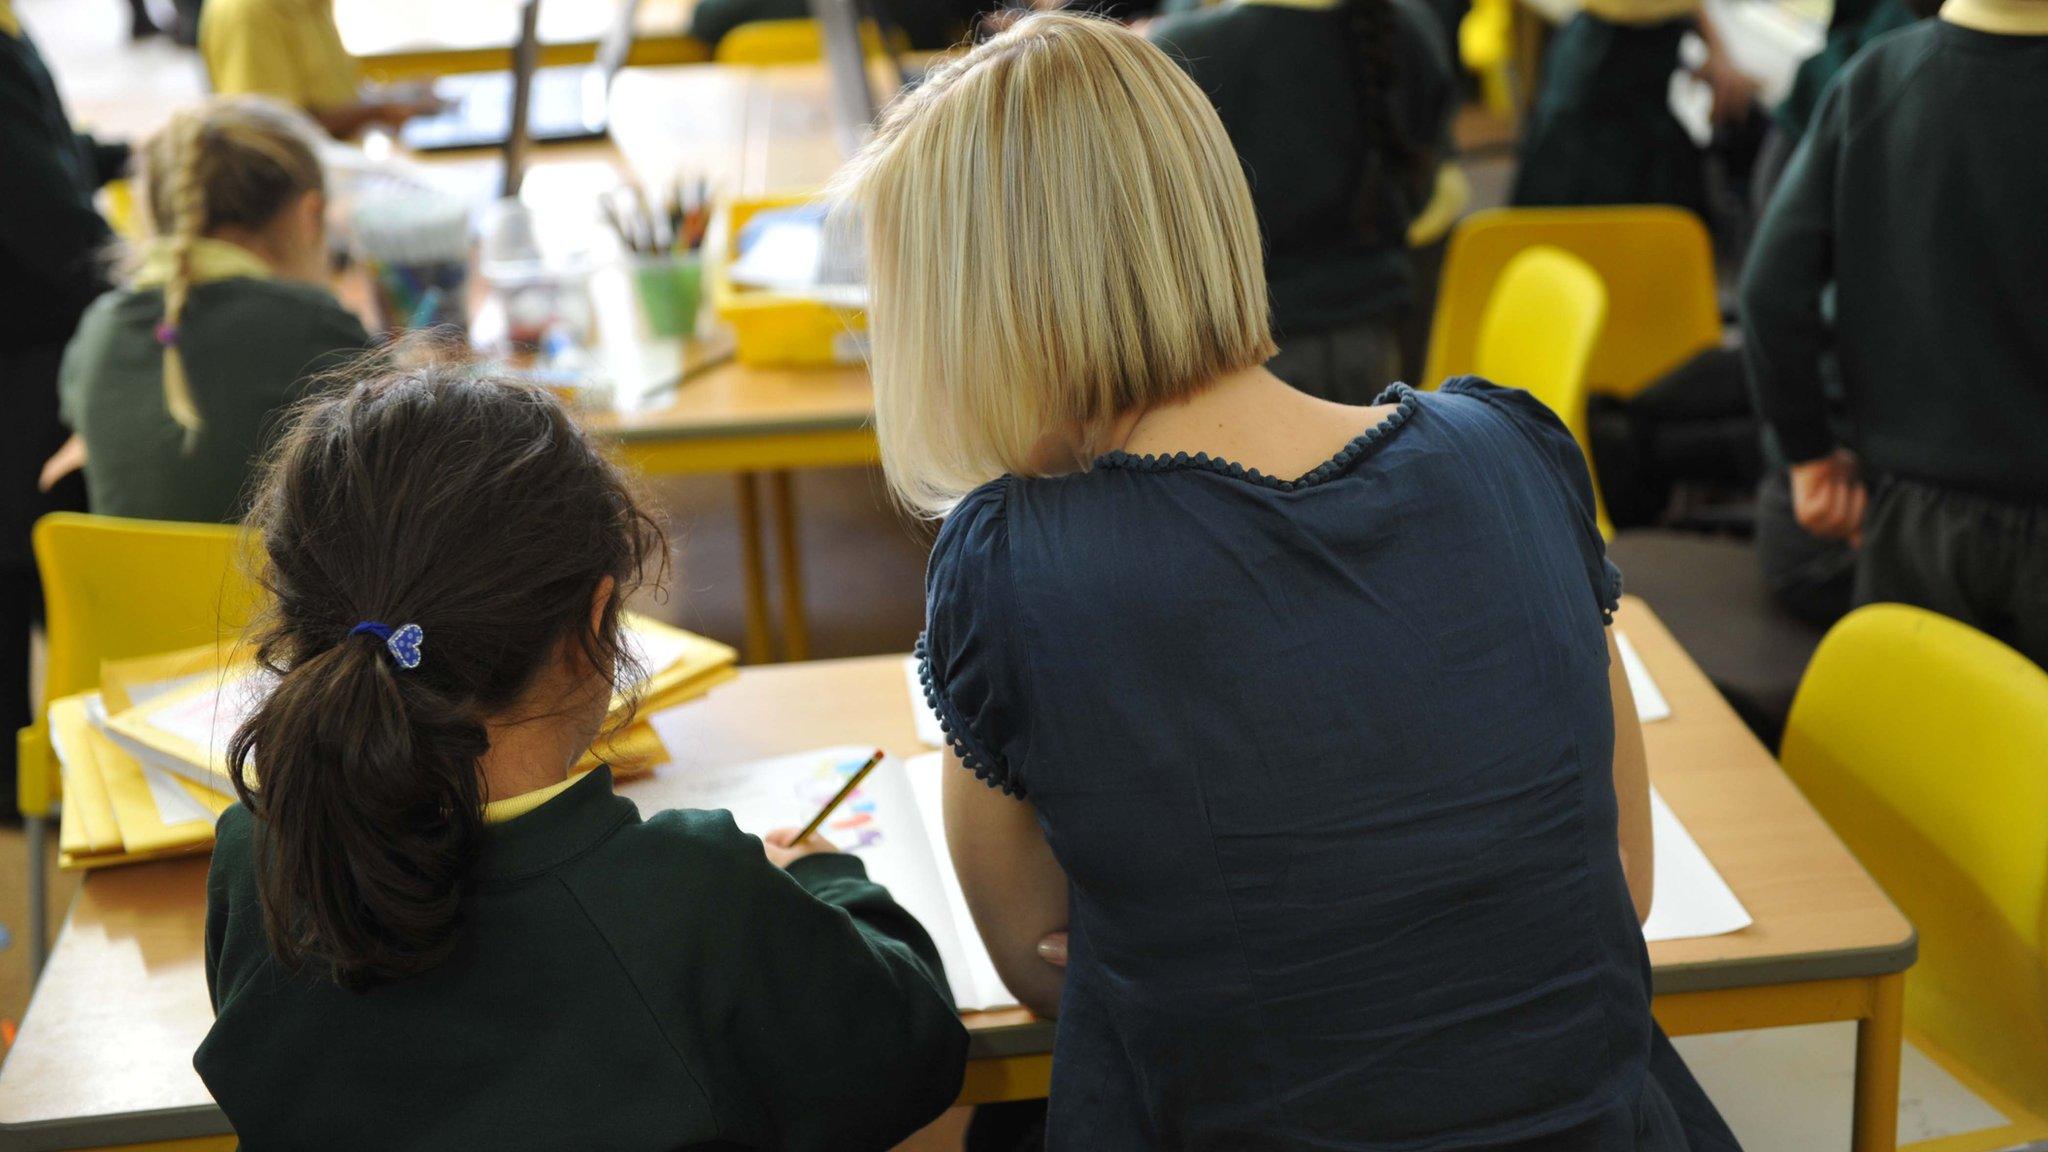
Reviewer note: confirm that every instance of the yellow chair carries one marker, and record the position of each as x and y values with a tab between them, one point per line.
1486	46
1539	329
764	42
1925	744
122	214
114	588
1658	265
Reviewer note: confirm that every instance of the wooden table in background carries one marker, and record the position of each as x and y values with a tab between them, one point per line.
105	1051
411	40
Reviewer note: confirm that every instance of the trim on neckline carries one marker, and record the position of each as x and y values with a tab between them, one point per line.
1400	394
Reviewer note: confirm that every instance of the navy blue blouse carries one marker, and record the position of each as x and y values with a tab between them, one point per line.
1328	763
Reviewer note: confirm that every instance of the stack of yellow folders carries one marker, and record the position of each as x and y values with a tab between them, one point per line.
145	758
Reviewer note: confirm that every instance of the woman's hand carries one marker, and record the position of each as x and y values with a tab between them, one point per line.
783	848
1052	948
68	459
1829	497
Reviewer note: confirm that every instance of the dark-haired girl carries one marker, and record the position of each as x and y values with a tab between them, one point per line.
422	932
1339	110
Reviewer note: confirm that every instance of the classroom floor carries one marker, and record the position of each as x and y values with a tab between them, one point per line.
1786	1090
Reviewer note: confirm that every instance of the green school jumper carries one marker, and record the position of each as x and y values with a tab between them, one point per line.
251	348
1919	198
620	983
1601	129
1284	79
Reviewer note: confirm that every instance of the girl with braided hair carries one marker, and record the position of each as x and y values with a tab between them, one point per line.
173	381
1339	111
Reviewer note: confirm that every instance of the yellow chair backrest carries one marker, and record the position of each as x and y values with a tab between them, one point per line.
122	211
1925	744
1537	333
1486	46
764	42
1658	265
114	588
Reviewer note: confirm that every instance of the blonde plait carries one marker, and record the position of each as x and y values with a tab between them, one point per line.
239	161
187	195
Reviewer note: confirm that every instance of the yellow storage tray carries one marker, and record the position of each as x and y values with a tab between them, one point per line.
776	328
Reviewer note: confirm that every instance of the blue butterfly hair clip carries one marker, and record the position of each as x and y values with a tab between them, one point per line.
403	642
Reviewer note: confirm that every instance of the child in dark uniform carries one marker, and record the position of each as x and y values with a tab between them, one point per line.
422	931
174	382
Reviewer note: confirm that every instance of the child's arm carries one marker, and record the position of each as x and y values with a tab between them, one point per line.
1015	889
822	1018
1631	787
1785	333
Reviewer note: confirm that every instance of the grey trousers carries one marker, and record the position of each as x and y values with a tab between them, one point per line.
1350	365
1976	558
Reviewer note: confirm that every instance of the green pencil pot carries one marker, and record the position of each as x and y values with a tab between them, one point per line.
671	289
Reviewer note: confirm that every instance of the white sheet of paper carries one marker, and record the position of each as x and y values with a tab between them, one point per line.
1650	703
880	823
1692	900
174	805
926	774
209	719
929	730
654	651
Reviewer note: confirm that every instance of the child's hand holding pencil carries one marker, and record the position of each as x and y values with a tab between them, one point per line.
787	845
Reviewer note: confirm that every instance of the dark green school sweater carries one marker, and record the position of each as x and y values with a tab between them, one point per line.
1284	83
251	348
50	235
1920	195
1853	24
619	984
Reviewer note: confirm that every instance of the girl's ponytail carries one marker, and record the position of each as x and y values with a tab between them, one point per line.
369	790
186	194
476	510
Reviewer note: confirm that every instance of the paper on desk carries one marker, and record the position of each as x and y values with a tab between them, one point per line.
1692	900
174	805
881	823
1650	703
929	731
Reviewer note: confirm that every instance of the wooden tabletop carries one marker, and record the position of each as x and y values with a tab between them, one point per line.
373	29
104	1053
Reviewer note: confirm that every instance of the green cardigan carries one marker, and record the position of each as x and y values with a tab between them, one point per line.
620	984
252	347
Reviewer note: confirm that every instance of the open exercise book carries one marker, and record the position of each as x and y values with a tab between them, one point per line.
892	823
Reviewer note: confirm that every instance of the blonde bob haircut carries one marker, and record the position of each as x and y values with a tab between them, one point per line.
1058	232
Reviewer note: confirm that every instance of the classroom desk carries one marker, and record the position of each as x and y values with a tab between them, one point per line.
408	40
104	1053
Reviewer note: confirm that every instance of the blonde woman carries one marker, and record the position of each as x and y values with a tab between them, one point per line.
173	383
1300	718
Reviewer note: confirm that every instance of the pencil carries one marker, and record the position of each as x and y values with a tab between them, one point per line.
825	813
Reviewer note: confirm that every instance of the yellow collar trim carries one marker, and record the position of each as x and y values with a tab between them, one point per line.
10	24
513	807
1999	17
211	260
